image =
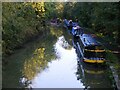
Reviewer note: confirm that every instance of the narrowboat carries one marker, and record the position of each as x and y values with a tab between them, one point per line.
90	49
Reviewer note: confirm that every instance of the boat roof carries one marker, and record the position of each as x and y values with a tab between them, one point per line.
88	40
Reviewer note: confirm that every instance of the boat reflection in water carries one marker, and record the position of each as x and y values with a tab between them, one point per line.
92	75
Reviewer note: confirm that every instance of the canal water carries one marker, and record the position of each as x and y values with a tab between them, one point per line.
52	62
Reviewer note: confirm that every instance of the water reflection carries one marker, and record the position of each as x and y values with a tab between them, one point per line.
55	31
34	64
93	76
61	71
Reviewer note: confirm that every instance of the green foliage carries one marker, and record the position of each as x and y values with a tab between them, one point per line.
20	22
100	17
54	9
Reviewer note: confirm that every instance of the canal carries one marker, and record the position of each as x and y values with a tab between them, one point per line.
53	62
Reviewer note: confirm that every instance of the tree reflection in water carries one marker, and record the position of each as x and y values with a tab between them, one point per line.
61	71
35	64
40	57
